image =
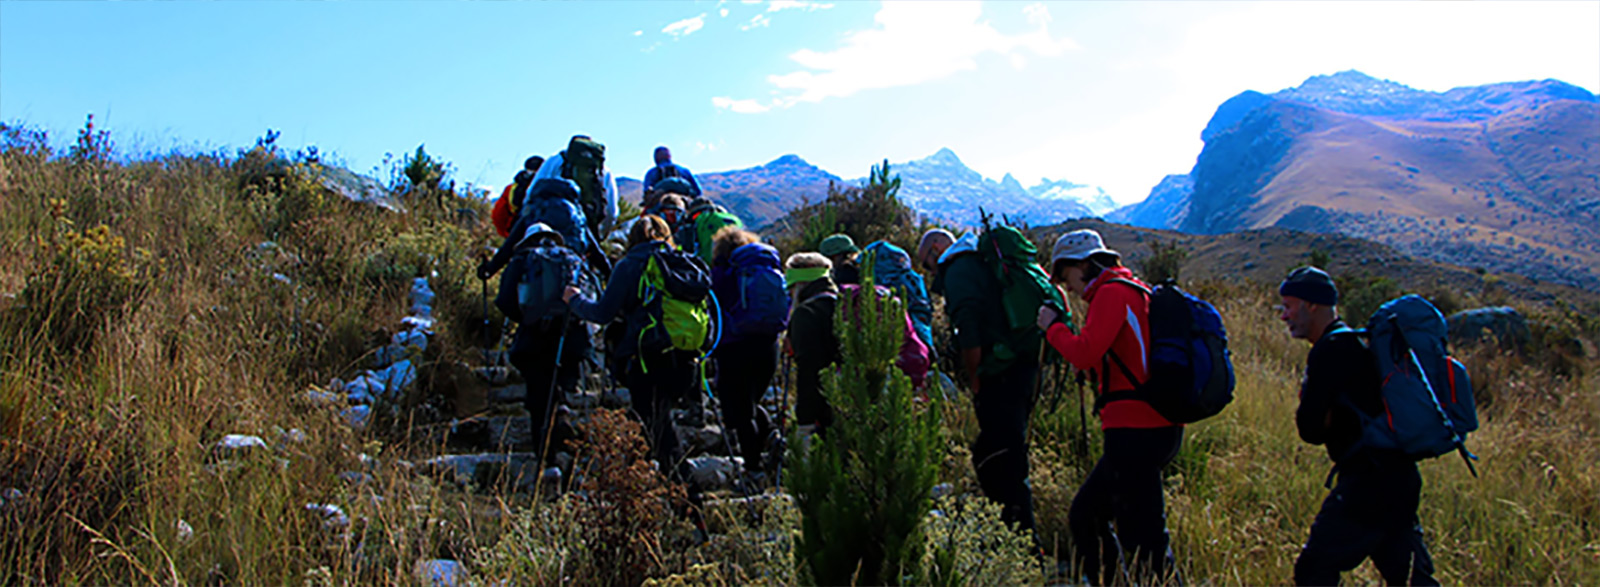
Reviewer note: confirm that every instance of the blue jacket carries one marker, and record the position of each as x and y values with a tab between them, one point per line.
621	296
654	175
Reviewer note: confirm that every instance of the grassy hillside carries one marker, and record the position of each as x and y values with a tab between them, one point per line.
145	319
1515	192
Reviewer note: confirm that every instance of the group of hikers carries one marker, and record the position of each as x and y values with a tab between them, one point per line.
698	302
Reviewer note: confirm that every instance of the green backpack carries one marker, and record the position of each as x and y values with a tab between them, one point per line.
674	292
1024	287
584	162
706	226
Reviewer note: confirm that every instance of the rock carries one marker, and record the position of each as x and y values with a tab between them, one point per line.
581	401
421	297
237	445
518	470
423	322
511	432
703	440
320	397
493	375
386	383
414	337
332	516
185	531
508	394
441	573
357	416
291	436
709	473
616	398
389	354
1473	326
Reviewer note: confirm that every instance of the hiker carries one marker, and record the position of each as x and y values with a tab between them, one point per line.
656	381
544	327
748	281
583	162
892	268
665	169
1002	387
507	207
811	338
842	251
670	208
1372	510
1125	485
703	219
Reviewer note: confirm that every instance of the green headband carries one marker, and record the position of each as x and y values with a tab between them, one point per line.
797	275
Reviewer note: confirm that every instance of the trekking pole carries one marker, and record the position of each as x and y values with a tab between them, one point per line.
549	399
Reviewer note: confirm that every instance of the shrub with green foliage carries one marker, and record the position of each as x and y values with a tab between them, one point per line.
1165	261
864	487
867	213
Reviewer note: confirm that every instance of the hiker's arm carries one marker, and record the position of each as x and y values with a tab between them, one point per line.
623	279
694	184
971	358
1107	314
650	178
1317	393
503	254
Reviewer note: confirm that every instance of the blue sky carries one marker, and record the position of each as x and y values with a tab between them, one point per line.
1109	94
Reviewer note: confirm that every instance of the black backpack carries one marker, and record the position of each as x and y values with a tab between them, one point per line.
547	270
1190	367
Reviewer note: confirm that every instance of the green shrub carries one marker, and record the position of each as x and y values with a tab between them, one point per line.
1165	262
864	487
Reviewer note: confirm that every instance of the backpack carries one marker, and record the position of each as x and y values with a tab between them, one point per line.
706	225
673	185
502	215
891	268
1024	287
762	307
913	358
553	202
584	162
673	292
1428	407
547	270
1190	367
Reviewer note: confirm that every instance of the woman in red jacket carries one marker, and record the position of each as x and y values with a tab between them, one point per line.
1125	486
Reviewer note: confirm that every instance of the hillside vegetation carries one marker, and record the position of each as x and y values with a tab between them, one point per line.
152	304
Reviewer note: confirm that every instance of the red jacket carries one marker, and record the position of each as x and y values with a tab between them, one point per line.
502	214
1118	320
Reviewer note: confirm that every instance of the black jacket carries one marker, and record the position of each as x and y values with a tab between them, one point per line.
1340	373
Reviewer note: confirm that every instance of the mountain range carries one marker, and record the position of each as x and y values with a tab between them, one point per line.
939	186
1504	177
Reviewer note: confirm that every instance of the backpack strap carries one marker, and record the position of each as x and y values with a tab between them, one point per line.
1107	396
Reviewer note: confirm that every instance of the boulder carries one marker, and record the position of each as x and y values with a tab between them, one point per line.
509	394
441	573
1504	323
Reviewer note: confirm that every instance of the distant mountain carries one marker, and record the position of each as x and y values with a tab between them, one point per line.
943	187
1504	176
1164	208
758	195
1094	198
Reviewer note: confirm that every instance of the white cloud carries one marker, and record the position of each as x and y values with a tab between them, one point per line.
740	106
723	12
638	33
778	5
686	27
759	21
700	147
913	43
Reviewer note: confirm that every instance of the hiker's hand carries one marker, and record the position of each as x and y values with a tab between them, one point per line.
485	271
1047	316
569	293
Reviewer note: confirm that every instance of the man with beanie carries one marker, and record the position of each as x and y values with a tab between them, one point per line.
1002	391
665	168
842	251
1372	509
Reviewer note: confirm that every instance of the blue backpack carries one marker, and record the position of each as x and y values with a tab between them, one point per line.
762	306
1190	368
891	268
1427	395
555	203
547	270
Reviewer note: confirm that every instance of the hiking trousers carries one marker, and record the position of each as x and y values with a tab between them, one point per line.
1000	454
1371	513
655	390
533	353
744	370
1124	489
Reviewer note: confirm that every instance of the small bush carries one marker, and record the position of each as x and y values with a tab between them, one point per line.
1165	262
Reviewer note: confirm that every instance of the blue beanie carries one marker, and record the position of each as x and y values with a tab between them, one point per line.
1310	284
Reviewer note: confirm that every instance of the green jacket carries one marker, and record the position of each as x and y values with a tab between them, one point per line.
973	303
